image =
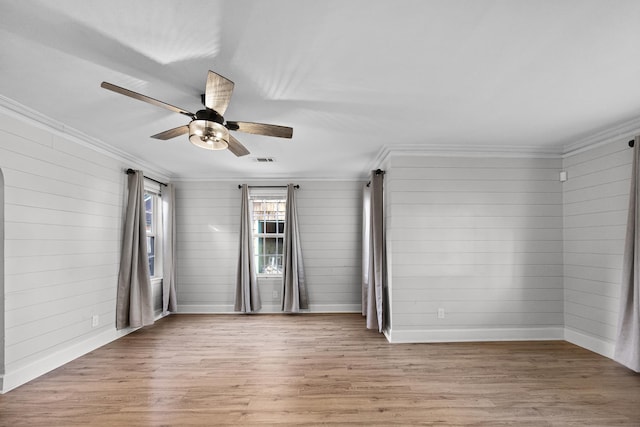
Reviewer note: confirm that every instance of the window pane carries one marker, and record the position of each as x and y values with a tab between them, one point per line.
151	253
270	264
278	264
280	227
148	210
260	264
260	248
270	246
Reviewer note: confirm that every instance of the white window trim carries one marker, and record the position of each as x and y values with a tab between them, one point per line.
266	193
154	188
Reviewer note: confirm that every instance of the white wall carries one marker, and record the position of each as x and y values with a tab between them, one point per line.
479	237
207	215
595	198
63	226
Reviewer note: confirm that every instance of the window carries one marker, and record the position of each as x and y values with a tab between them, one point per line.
152	210
268	232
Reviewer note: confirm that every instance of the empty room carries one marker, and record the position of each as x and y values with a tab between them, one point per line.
293	212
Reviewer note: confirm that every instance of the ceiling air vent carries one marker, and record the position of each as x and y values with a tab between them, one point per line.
265	159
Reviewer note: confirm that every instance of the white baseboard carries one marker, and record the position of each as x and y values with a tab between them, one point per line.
464	335
204	309
335	308
266	308
597	345
50	362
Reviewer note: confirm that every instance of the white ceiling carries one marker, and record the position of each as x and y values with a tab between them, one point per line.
352	77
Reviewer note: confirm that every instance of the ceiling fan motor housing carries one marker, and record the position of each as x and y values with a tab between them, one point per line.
207	130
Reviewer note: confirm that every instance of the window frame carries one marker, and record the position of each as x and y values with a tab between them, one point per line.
153	189
268	195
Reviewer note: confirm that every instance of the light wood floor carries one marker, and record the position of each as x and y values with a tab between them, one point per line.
322	369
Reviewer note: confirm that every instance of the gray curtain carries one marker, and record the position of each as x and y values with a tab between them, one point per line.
627	350
169	300
294	290
373	291
134	304
247	293
2	308
366	242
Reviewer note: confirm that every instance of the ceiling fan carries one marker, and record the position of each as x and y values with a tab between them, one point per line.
208	128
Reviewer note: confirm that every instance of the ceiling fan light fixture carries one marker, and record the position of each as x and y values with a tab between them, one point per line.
208	135
208	128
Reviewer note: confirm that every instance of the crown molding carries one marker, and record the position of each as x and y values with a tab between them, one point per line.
41	121
269	180
453	150
379	162
623	130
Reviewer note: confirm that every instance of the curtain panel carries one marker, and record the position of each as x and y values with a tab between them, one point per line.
627	351
373	286
169	299
366	245
134	304
247	298
294	289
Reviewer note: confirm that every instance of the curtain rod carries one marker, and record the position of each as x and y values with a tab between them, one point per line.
131	171
268	186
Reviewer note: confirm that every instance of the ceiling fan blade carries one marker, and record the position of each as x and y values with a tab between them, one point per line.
236	147
172	133
261	129
140	97
218	92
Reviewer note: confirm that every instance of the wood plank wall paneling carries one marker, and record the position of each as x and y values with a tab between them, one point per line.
207	221
479	237
63	222
595	216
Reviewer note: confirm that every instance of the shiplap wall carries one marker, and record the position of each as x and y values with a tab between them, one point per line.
481	238
207	215
595	216
63	226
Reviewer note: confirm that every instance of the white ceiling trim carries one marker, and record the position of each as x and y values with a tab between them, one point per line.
270	180
39	120
621	131
625	130
448	150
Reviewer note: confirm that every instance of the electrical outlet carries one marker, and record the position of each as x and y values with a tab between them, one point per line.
441	313
275	294
95	320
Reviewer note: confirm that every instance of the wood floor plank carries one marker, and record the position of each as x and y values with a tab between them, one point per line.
195	370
